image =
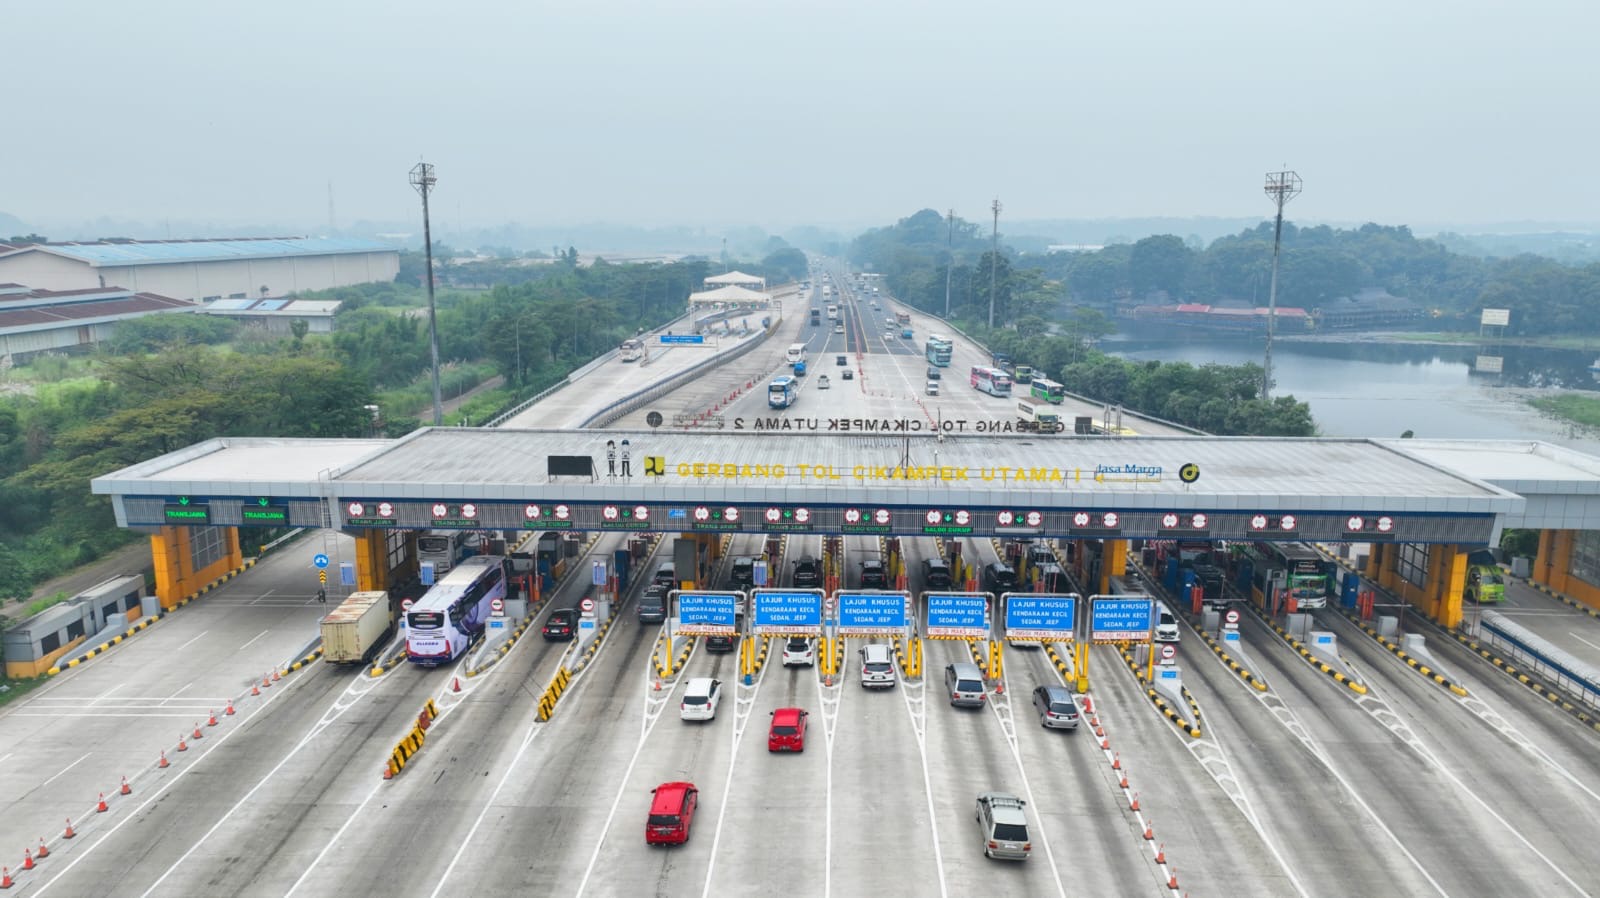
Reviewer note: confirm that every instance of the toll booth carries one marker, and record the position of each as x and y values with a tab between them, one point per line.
34	645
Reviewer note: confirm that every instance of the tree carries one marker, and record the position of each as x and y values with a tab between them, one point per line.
1159	263
298	329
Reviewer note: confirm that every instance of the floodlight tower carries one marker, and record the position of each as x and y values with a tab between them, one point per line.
994	256
1282	186
950	258
423	179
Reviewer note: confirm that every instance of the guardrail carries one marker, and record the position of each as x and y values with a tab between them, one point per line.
1138	416
1510	638
632	402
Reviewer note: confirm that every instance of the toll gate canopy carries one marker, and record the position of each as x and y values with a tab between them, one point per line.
825	476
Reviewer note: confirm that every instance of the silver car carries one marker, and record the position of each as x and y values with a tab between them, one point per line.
1056	707
1004	825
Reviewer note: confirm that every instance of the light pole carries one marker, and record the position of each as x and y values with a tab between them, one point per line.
994	257
950	262
423	179
1282	186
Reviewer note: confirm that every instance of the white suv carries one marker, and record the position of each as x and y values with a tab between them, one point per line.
877	667
799	651
700	699
1004	825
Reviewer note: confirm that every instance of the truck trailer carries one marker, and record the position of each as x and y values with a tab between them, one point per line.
355	631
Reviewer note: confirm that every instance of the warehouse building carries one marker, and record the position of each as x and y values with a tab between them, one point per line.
201	270
35	321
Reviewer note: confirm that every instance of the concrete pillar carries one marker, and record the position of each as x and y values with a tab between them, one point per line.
1561	560
1374	563
1114	563
1545	561
1453	570
172	555
372	560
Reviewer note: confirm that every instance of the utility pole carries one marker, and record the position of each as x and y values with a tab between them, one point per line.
1282	186
423	179
950	263
994	257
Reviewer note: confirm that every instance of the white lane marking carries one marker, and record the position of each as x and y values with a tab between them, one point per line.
64	770
175	694
252	642
1582	640
331	842
6	757
743	706
102	696
1016	755
919	724
192	641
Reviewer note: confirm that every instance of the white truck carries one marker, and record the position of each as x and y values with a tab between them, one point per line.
1042	416
355	631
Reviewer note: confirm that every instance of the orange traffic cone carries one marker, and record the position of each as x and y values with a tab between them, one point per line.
1161	853
197	734
1148	835
388	771
658	684
1172	881
163	763
275	675
229	712
69	833
27	859
101	807
1133	805
44	850
266	682
455	684
254	689
5	878
126	789
182	745
1124	783
1116	761
211	721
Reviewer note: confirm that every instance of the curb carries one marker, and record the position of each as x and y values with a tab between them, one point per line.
1562	597
1395	649
1233	665
1352	685
505	647
147	622
303	662
1554	697
1167	711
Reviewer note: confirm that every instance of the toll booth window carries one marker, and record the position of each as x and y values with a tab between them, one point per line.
50	643
1586	556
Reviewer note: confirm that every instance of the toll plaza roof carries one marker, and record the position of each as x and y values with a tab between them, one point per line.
844	470
1562	486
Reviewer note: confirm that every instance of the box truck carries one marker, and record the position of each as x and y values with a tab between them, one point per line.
355	631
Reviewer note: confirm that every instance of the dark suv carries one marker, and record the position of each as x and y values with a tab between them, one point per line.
873	575
936	574
807	572
999	577
744	572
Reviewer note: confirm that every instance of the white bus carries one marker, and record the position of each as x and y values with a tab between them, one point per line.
991	380
632	350
451	616
796	353
442	547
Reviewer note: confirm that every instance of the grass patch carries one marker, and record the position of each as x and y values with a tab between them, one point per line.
1584	410
40	605
16	689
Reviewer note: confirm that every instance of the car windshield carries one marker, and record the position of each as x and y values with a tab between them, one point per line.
1011	832
1066	709
878	666
968	686
798	645
783	730
694	699
663	819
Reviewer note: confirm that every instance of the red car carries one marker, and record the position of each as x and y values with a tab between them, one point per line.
788	731
671	813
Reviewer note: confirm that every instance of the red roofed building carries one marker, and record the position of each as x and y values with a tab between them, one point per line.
35	321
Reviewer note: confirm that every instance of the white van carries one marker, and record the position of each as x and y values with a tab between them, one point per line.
933	388
877	667
1166	624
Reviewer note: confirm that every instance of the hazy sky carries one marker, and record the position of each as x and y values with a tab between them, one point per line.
775	113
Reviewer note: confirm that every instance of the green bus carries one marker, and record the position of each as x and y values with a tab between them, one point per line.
1046	389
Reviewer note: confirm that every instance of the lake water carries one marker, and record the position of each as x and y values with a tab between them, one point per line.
1371	389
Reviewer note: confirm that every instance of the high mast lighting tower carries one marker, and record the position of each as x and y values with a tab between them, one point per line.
423	179
1282	186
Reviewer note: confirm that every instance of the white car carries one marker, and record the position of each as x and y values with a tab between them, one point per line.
799	651
700	699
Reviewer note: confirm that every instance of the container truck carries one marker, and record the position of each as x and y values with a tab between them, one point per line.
355	631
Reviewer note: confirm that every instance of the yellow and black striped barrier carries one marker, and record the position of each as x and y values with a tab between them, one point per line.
1395	649
413	741
1563	598
552	693
145	624
303	662
1055	658
1552	696
977	656
1306	653
1233	665
1161	705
